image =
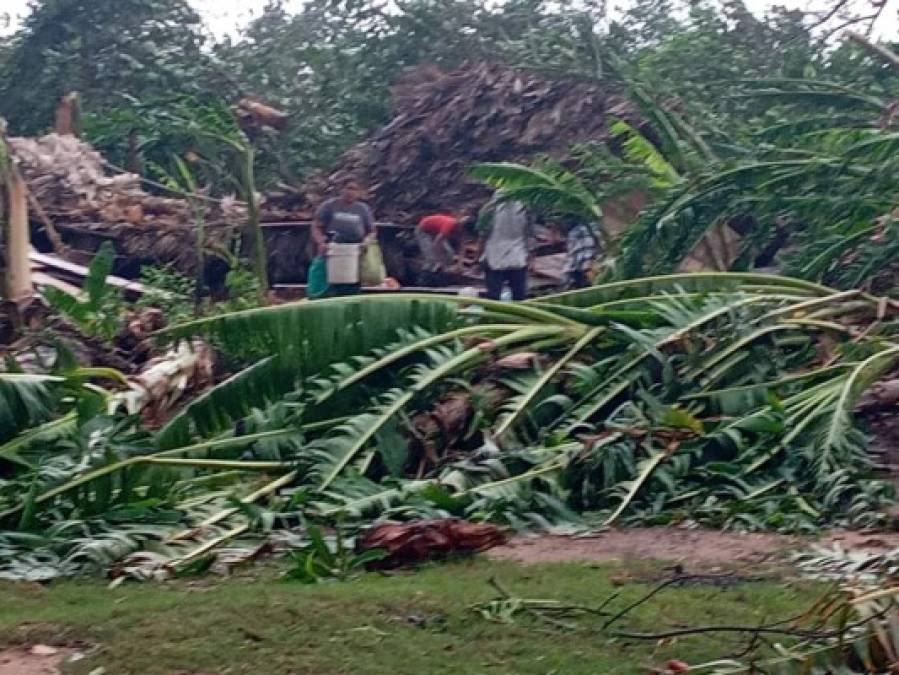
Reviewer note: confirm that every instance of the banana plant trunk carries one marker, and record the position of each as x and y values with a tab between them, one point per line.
163	382
14	216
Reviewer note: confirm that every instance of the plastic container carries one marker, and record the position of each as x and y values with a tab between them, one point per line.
343	263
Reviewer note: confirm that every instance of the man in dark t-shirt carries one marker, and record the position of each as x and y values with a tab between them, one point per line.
347	216
349	220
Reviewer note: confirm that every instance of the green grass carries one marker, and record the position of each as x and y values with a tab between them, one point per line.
410	622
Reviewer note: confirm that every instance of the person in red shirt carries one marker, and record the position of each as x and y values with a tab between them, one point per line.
440	240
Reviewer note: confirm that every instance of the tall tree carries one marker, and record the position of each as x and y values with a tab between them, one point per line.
109	50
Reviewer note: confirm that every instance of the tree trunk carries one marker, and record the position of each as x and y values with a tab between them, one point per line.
68	115
880	52
14	214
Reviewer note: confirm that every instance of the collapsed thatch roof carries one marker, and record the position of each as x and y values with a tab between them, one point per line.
76	188
445	122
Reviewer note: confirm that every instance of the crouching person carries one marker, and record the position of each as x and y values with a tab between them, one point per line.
440	238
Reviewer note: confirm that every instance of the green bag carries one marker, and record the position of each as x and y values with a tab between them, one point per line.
371	266
317	278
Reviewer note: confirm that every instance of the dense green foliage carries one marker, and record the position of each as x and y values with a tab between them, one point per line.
112	52
725	399
331	65
692	398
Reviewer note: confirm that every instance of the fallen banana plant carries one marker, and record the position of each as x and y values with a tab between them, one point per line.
720	399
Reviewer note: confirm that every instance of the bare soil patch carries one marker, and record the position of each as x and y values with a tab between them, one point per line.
694	549
35	660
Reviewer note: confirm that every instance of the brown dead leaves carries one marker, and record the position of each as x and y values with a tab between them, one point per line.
419	541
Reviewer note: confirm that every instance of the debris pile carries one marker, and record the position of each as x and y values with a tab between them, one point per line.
483	112
68	177
423	540
74	186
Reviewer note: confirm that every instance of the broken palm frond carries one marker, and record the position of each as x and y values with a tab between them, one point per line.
858	566
163	381
811	194
721	399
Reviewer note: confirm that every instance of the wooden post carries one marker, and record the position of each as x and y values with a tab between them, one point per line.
14	217
68	115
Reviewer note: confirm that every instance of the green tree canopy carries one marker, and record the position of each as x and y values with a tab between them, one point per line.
109	50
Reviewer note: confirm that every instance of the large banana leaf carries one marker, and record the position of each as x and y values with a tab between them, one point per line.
700	396
25	401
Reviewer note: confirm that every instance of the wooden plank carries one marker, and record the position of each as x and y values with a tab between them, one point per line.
80	271
301	224
447	290
42	279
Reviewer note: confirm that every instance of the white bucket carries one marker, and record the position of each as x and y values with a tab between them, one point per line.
343	263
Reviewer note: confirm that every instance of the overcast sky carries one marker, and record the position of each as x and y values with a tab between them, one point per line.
224	16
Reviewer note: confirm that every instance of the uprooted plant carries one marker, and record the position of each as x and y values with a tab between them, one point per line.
720	399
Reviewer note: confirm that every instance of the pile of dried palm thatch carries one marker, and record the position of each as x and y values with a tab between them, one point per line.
445	122
77	190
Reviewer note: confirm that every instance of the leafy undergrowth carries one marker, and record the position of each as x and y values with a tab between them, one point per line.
398	623
724	400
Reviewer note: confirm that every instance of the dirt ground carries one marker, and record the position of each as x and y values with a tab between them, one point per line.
36	660
694	549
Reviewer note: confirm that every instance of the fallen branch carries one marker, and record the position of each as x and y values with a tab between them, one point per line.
59	246
768	629
876	50
678	578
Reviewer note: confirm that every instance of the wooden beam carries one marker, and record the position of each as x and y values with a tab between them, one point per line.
300	289
42	280
51	262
